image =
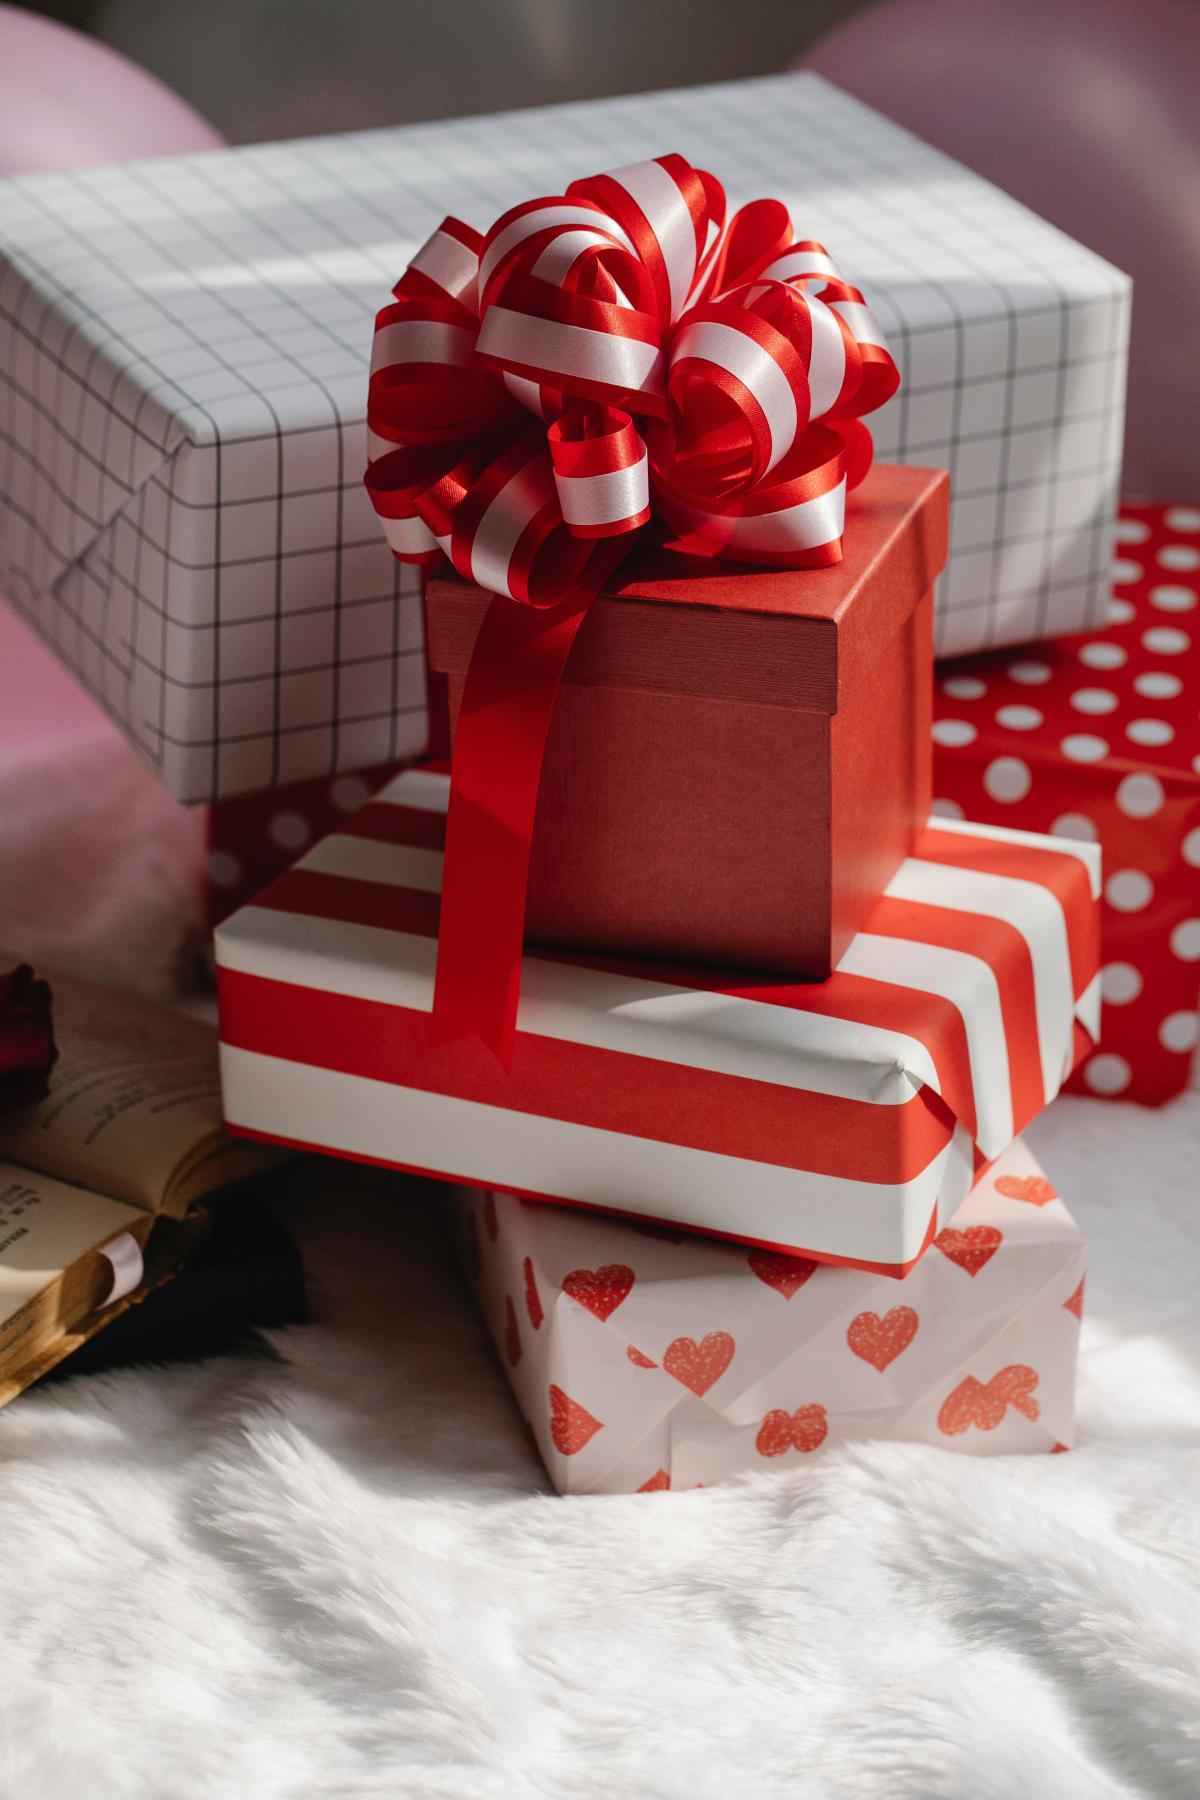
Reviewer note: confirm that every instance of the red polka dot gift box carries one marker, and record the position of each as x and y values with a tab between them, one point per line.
252	838
842	1120
1097	738
644	1359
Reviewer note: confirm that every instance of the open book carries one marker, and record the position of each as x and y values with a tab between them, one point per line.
101	1182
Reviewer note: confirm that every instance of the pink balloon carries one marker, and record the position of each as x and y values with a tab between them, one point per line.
1087	111
67	101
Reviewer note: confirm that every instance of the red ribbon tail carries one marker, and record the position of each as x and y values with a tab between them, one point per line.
508	700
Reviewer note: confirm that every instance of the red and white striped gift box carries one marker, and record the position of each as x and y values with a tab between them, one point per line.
842	1120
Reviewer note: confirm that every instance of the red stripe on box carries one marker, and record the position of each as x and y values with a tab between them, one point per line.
582	1084
1006	953
1061	873
930	1018
388	823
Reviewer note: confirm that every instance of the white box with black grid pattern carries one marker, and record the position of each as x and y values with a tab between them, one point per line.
183	380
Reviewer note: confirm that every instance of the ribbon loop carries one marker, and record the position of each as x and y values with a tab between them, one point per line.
617	357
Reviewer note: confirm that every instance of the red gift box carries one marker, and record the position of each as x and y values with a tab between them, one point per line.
694	684
1097	737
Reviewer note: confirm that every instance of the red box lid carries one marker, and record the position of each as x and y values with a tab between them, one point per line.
769	637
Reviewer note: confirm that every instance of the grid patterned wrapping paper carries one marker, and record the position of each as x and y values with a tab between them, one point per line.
183	357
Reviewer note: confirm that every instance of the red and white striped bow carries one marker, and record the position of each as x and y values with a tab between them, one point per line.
612	354
608	357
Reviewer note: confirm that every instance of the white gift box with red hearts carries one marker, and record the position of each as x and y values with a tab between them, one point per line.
643	1359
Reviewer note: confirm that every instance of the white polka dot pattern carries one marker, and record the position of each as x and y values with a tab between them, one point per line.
1129	890
1180	1031
1157	684
1166	640
1007	779
1185	940
1075	825
224	869
1172	599
1140	796
1119	983
964	687
1097	738
952	734
1107	1074
1149	732
1094	700
1019	718
1180	557
1103	656
1083	747
290	830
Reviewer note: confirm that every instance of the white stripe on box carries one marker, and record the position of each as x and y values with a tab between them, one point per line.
1088	854
602	1008
422	789
969	984
367	859
1029	908
488	1145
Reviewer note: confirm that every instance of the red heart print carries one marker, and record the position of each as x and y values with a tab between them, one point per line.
1033	1188
600	1290
489	1216
533	1300
970	1249
880	1341
803	1430
1059	1449
974	1403
659	1480
512	1337
1075	1303
571	1425
638	1360
697	1366
786	1274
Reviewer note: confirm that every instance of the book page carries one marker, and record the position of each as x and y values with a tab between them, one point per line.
134	1108
45	1227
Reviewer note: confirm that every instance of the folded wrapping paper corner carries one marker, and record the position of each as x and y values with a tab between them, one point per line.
842	1119
644	1360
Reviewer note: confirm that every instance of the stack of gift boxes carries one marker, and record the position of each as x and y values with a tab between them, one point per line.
749	1178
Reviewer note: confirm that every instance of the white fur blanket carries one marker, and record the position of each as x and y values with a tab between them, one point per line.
342	1573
